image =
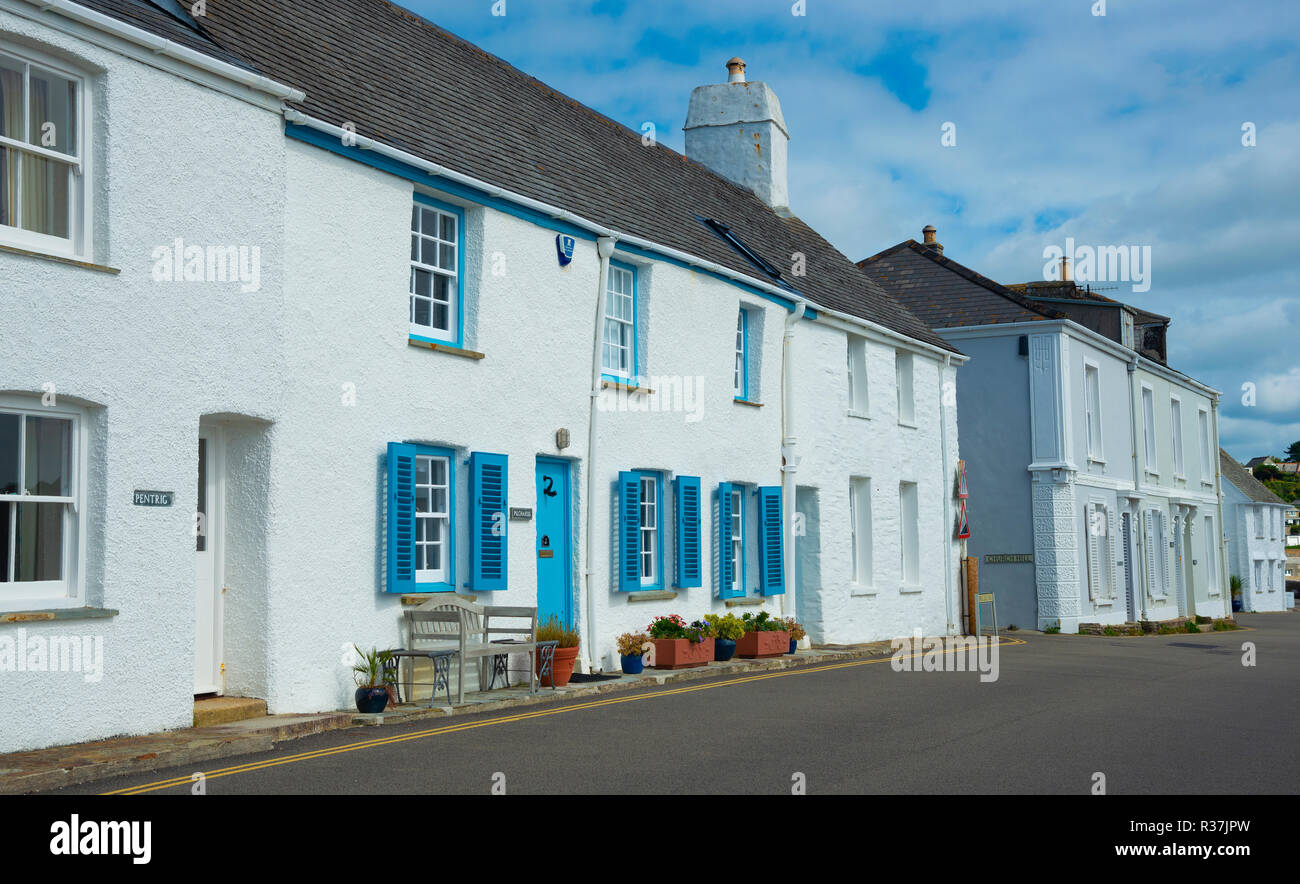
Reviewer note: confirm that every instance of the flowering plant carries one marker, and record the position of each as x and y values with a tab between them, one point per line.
632	644
729	627
675	626
763	622
793	627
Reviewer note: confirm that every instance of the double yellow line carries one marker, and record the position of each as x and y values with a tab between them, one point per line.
506	719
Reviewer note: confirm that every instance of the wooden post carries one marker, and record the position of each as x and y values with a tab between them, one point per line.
972	590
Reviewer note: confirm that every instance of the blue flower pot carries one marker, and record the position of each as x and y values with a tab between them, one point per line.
723	649
633	665
794	645
1236	604
371	700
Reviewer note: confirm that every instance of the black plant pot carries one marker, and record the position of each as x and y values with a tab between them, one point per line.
371	700
723	649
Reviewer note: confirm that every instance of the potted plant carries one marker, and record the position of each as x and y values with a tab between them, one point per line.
631	650
796	631
727	631
566	652
1234	583
765	636
372	692
679	644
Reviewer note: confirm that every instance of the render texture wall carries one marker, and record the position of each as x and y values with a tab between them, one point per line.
174	159
835	446
1245	548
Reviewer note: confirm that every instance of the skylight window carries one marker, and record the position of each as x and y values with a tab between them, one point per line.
760	263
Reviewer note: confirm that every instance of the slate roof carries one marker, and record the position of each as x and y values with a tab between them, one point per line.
946	294
1073	291
151	17
1245	482
403	81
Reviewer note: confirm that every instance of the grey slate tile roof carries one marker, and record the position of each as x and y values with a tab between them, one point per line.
946	294
150	17
1245	482
407	83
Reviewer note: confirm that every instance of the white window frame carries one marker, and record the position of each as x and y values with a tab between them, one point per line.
65	592
442	520
1149	430
1211	555
1207	463
909	532
1092	410
615	325
80	185
738	540
451	333
860	534
1099	547
648	533
859	385
904	381
1176	435
740	378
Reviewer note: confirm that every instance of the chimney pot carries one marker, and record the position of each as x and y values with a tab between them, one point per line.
736	70
927	234
1065	269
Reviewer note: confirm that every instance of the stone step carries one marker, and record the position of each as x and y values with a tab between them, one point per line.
210	711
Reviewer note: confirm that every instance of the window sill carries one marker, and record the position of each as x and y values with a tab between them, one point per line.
1151	474
59	259
46	614
1096	460
748	601
652	595
860	415
866	592
749	402
909	425
420	598
607	384
445	348
910	589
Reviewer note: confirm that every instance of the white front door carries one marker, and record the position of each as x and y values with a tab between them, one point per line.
207	544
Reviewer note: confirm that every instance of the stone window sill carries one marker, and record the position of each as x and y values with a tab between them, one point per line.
607	384
748	402
44	615
910	589
653	595
445	348
745	602
866	592
59	259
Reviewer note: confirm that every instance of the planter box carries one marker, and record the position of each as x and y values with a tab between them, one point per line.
681	653
763	644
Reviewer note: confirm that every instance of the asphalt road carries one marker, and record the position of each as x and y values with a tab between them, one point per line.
1160	714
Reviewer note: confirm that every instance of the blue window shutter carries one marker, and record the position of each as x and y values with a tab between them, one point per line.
488	480
401	517
687	500
726	567
771	556
629	532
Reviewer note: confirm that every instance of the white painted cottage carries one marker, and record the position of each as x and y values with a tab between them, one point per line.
1256	529
292	342
1094	485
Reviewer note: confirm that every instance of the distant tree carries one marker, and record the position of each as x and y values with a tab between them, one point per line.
1292	453
1266	471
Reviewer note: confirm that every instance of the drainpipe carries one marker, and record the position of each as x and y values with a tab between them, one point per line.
789	463
604	249
1137	537
947	498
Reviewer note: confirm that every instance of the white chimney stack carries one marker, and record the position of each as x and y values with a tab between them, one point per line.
737	130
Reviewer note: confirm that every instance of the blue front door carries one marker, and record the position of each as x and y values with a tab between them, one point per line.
554	541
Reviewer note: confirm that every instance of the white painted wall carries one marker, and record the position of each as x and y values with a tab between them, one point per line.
1245	547
145	360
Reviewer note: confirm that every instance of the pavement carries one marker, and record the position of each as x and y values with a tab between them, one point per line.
1173	714
88	763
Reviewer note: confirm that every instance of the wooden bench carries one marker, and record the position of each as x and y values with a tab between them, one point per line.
475	632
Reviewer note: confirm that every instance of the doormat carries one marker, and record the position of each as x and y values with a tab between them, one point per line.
580	678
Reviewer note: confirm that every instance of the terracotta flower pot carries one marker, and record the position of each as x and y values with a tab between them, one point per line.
763	644
682	653
561	667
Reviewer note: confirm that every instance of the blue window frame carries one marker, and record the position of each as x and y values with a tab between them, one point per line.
740	377
731	541
421	504
641	530
437	288
618	356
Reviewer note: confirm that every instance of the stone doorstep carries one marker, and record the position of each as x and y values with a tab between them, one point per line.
223	710
60	766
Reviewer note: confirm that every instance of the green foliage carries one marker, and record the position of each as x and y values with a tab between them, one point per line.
1192	627
369	671
763	622
1224	625
1110	630
675	626
632	644
1054	629
1292	452
795	628
551	630
1235	584
729	626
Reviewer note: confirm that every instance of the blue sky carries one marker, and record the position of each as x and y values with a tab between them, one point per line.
1122	129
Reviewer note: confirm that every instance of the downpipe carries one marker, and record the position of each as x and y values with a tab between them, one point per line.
789	461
